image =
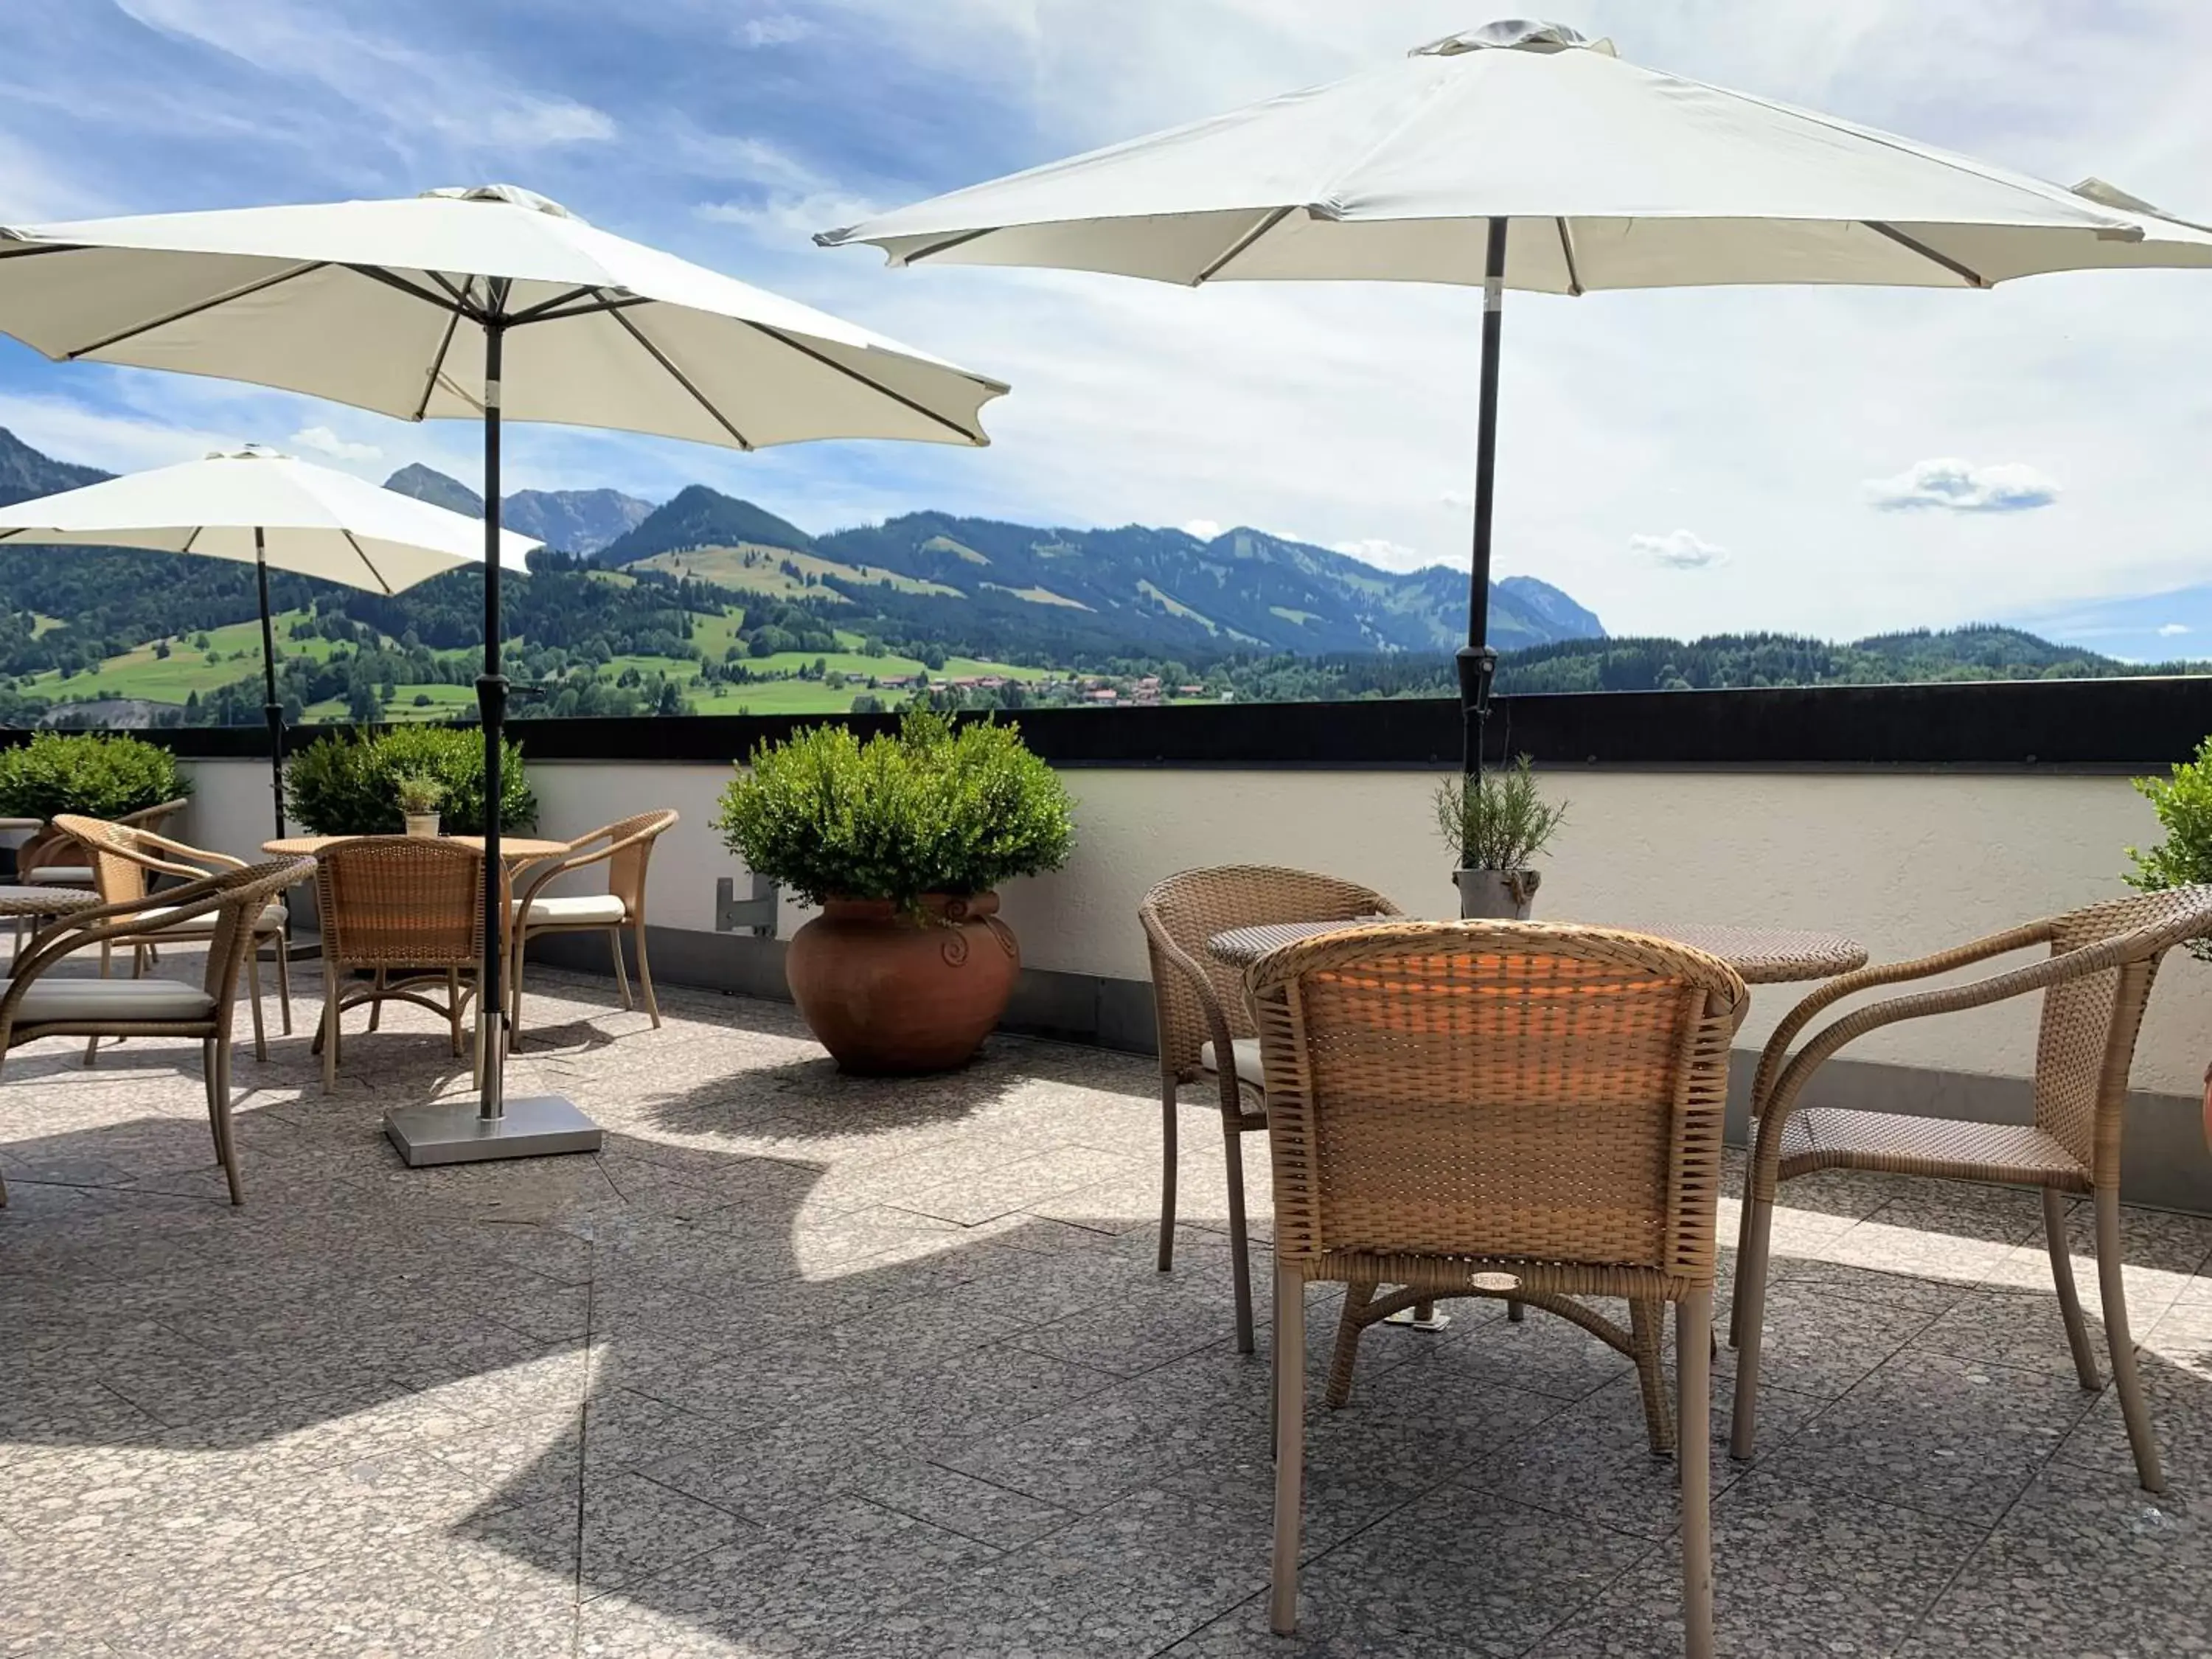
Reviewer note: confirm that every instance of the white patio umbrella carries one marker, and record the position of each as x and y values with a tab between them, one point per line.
258	508
478	302
1521	155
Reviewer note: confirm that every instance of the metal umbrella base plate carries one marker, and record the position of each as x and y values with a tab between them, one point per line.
456	1132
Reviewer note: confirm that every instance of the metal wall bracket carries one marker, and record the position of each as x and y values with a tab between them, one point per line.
756	915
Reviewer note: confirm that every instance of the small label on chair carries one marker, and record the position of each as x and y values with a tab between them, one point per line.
1494	1281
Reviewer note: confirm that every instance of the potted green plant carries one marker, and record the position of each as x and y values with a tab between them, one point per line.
99	776
419	794
903	840
1494	825
349	783
2183	801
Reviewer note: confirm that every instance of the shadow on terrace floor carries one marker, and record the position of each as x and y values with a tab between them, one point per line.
804	1364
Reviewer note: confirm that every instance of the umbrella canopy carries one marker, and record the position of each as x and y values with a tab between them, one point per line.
358	302
482	301
256	506
1609	175
1521	155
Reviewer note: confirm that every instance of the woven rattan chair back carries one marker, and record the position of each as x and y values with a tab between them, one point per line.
626	867
401	901
1184	911
116	876
246	893
2085	1046
1481	1091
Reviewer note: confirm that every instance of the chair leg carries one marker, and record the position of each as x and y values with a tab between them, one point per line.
1167	1173
1751	1289
253	990
621	974
2125	1383
376	1001
2070	1300
1289	1375
1742	1249
1694	1347
214	1060
106	962
331	1024
453	1008
1516	1312
284	977
1240	1248
514	992
645	975
1342	1364
1644	1338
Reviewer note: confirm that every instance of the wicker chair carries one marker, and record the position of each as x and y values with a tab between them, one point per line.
397	904
2096	983
33	1007
1507	1109
55	858
123	860
1205	1027
625	846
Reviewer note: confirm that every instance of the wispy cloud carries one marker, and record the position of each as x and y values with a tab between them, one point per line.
775	28
1205	529
1382	552
2172	630
1679	550
324	441
1958	486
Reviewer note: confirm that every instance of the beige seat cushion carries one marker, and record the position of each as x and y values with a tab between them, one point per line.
60	875
574	909
1244	1054
80	1001
273	917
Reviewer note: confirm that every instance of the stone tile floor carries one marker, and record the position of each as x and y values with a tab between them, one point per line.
803	1364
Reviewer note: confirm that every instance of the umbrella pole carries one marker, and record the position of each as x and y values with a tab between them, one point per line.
448	1132
271	709
1478	662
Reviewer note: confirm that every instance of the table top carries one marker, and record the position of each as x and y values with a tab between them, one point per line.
46	900
1763	956
513	850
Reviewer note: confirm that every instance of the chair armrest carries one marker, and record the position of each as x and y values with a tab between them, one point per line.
1167	951
187	856
578	857
2138	944
1866	978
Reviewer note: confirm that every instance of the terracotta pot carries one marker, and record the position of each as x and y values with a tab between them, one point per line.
891	992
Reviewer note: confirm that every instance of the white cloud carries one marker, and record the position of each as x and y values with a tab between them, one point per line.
324	441
1381	550
2170	629
460	97
1460	500
1205	529
1679	550
1958	486
775	28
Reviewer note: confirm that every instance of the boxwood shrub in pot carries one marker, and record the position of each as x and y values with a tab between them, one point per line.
903	840
349	783
99	776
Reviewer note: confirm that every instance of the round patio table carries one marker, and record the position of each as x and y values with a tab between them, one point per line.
1763	956
46	900
513	850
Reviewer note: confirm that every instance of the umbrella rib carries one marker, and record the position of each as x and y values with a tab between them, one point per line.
1567	252
438	364
598	308
681	378
190	539
1242	246
366	559
945	247
137	329
459	300
828	362
1973	279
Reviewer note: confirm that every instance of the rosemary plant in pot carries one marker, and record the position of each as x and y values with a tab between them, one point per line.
419	794
1495	825
903	840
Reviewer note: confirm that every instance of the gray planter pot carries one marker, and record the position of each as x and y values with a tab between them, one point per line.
1496	894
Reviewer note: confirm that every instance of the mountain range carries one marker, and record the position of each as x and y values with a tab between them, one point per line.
1000	587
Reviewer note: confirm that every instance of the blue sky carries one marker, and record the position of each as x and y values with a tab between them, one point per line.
1832	461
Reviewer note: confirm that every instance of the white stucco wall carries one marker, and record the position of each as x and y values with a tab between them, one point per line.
1907	863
